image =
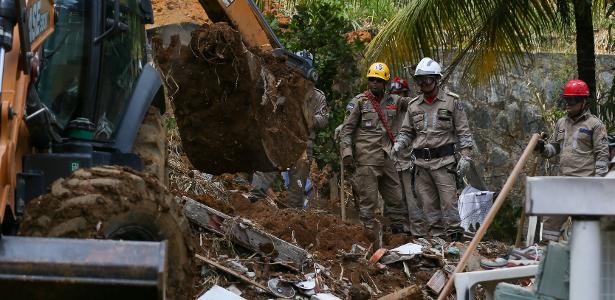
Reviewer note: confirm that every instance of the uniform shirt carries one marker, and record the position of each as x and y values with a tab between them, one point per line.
435	125
582	145
363	129
317	105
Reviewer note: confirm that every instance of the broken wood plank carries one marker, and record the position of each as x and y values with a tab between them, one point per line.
232	272
246	234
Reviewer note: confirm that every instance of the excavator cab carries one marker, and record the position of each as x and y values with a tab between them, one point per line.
73	97
93	86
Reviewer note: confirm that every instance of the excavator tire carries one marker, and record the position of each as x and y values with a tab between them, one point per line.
116	203
151	145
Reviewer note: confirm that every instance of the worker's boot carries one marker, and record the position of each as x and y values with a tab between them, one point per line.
374	232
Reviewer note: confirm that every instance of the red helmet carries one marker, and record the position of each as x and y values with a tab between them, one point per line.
576	87
399	86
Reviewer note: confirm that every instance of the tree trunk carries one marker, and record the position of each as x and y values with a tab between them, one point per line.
586	56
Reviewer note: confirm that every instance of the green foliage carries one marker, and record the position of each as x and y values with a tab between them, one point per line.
504	225
320	27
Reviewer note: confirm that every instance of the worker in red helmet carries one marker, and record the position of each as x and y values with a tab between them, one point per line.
400	87
580	139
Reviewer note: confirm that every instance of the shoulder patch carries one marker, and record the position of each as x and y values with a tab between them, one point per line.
459	105
452	94
350	107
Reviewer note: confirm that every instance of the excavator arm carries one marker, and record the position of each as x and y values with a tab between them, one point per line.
247	18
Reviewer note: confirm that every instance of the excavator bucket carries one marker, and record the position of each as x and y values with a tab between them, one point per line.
55	268
226	95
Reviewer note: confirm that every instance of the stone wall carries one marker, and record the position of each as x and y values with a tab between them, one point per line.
504	114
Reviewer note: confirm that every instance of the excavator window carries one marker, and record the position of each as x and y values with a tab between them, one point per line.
63	59
123	59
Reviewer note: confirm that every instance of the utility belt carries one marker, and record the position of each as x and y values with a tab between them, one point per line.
433	153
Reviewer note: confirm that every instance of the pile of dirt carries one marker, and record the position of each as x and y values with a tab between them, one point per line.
177	11
320	233
237	109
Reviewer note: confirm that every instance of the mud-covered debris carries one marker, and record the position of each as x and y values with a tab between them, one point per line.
235	107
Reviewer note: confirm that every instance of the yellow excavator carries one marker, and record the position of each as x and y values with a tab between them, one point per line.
80	115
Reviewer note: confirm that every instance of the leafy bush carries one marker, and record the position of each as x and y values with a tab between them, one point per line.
320	27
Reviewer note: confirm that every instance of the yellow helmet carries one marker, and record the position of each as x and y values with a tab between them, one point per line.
379	70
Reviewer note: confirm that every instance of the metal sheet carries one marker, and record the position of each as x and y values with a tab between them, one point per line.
54	268
581	196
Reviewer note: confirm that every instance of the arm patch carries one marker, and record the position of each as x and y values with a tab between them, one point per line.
349	107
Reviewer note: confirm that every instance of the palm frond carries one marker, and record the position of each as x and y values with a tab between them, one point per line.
486	36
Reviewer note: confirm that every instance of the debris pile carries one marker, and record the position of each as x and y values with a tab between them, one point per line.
263	251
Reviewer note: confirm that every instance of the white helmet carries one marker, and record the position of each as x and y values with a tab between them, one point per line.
428	66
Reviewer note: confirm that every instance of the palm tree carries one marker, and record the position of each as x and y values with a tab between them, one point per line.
487	36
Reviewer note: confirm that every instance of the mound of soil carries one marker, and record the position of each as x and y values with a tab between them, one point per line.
237	109
176	11
319	233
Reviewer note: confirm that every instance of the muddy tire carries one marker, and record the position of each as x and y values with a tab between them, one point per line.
116	203
151	145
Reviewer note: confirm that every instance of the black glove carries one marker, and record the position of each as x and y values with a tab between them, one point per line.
348	161
540	146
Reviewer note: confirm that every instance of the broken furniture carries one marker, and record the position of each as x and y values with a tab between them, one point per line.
466	282
587	200
552	279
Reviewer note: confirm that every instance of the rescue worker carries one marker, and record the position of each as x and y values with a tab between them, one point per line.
580	139
366	138
298	174
434	123
404	167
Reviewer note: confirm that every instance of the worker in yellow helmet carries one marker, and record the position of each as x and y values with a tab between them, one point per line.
366	138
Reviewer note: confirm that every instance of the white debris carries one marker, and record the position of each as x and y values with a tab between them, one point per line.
219	293
323	296
408	249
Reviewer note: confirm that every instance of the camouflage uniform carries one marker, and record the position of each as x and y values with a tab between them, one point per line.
299	173
432	130
582	145
363	132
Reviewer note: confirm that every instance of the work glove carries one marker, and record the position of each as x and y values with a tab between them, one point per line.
395	151
348	161
540	146
338	130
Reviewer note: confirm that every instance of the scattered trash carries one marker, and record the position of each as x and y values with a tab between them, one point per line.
281	288
377	255
322	296
474	205
233	288
492	264
218	292
309	283
408	249
437	281
453	251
